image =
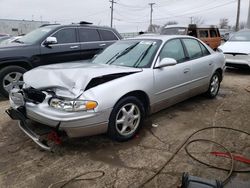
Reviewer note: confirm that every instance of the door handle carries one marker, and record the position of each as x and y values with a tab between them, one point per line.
74	47
102	44
186	70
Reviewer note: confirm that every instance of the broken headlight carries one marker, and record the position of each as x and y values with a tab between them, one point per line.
72	105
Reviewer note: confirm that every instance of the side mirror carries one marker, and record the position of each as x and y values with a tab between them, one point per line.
165	62
50	40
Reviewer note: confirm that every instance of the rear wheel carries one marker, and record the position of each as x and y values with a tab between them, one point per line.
126	119
11	77
214	85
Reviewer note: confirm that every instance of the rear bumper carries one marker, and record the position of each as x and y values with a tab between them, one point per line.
16	114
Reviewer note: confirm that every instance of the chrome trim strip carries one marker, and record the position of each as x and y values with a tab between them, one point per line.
181	85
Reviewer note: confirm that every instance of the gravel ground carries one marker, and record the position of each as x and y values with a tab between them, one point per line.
129	164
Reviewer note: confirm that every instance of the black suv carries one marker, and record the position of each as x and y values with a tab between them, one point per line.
51	44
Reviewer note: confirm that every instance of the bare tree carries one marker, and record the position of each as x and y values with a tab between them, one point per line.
198	20
173	22
223	23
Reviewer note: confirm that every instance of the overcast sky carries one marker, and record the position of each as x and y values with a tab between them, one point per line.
129	15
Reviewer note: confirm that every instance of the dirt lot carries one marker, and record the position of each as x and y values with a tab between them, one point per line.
23	164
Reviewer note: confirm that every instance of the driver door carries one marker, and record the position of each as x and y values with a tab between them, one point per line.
171	83
67	48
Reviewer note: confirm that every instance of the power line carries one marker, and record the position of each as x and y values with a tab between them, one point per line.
131	6
188	13
204	10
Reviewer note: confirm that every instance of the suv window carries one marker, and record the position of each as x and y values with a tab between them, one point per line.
107	35
173	49
213	33
203	33
88	35
67	35
193	48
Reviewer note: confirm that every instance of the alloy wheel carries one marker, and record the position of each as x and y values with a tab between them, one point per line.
128	119
13	80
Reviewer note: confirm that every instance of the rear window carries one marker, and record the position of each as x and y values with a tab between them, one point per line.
174	31
107	35
203	33
213	33
88	35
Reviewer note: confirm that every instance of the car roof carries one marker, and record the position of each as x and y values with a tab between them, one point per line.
162	37
77	25
191	26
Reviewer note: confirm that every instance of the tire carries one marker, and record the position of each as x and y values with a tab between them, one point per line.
124	125
10	77
214	86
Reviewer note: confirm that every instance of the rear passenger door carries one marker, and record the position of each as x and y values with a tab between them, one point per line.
67	47
200	62
90	42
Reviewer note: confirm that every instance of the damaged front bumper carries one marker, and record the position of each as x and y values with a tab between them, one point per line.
74	124
17	114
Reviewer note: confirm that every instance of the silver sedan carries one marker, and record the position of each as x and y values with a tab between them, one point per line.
115	91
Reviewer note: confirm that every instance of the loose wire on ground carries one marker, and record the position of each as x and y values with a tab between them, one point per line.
187	142
99	174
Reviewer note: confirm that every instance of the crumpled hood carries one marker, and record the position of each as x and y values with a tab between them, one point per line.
236	47
73	77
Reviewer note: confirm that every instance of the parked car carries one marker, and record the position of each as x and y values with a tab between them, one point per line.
117	89
48	45
237	50
4	37
208	34
8	40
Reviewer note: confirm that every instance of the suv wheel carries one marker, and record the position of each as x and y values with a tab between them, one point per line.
126	119
11	77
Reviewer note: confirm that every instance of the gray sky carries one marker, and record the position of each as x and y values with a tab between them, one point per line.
129	15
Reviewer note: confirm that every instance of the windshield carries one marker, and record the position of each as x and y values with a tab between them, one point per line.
241	36
35	35
174	31
129	53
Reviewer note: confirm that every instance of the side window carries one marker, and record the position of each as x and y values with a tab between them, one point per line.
193	48
67	35
204	50
88	35
203	33
173	49
213	33
107	35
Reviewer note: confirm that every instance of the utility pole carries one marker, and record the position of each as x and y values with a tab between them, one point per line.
151	16
112	12
248	19
191	19
238	17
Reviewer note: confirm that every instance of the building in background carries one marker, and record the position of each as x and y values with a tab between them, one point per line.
19	27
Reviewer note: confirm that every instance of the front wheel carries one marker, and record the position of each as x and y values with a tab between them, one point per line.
214	86
126	119
11	77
